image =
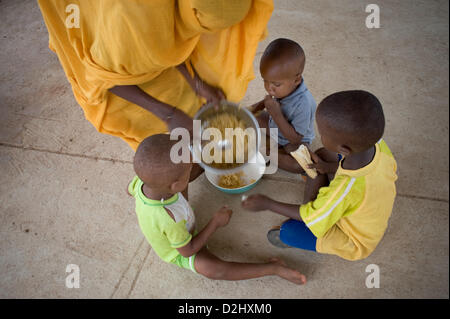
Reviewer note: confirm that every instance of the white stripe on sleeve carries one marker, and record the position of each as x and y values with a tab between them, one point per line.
347	189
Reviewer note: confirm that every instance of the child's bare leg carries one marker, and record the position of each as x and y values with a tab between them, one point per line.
288	163
212	267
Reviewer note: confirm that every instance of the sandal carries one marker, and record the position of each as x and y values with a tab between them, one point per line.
273	236
304	177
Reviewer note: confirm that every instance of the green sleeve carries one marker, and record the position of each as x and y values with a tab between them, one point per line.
132	187
177	234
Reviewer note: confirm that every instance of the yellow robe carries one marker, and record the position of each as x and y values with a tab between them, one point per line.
139	42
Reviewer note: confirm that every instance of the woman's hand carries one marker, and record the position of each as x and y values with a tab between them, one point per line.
201	88
211	94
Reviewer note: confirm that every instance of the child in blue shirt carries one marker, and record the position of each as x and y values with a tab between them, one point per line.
289	106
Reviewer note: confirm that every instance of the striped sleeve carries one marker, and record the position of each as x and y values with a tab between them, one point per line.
332	203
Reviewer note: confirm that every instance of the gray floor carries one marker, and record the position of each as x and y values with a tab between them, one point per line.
62	198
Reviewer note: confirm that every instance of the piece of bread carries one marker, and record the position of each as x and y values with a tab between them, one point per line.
303	157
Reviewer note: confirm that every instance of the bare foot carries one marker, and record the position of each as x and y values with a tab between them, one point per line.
287	273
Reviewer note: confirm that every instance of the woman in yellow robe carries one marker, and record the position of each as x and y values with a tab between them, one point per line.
143	67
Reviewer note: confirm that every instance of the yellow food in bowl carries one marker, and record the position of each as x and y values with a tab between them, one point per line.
233	180
221	122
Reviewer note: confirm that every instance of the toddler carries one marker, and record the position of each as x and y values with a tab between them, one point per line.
289	106
168	222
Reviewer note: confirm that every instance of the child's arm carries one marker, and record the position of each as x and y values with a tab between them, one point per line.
288	131
260	202
220	219
324	162
255	108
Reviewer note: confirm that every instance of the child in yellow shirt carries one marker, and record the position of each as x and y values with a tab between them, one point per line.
347	206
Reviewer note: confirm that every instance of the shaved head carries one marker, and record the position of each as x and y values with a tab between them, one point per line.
286	54
354	117
152	162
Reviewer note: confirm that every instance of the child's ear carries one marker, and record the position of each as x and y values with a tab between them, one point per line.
344	150
177	186
298	79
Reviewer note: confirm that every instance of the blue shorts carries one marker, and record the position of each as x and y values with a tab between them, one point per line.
296	234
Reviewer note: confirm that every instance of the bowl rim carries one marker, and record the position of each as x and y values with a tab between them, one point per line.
263	166
195	149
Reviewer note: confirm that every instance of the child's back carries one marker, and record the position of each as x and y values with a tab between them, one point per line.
348	204
358	203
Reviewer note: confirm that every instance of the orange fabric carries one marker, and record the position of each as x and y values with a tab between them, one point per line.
140	42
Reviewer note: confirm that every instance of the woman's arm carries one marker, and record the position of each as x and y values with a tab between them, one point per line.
134	94
194	82
171	115
201	88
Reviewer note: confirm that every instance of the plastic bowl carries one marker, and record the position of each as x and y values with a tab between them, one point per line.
252	171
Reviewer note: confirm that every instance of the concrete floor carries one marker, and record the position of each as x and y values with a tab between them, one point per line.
62	197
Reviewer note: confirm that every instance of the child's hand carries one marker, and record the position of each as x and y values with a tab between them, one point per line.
255	108
272	105
256	202
320	165
222	216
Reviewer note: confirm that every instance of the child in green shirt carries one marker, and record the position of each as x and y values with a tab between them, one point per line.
347	206
168	223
